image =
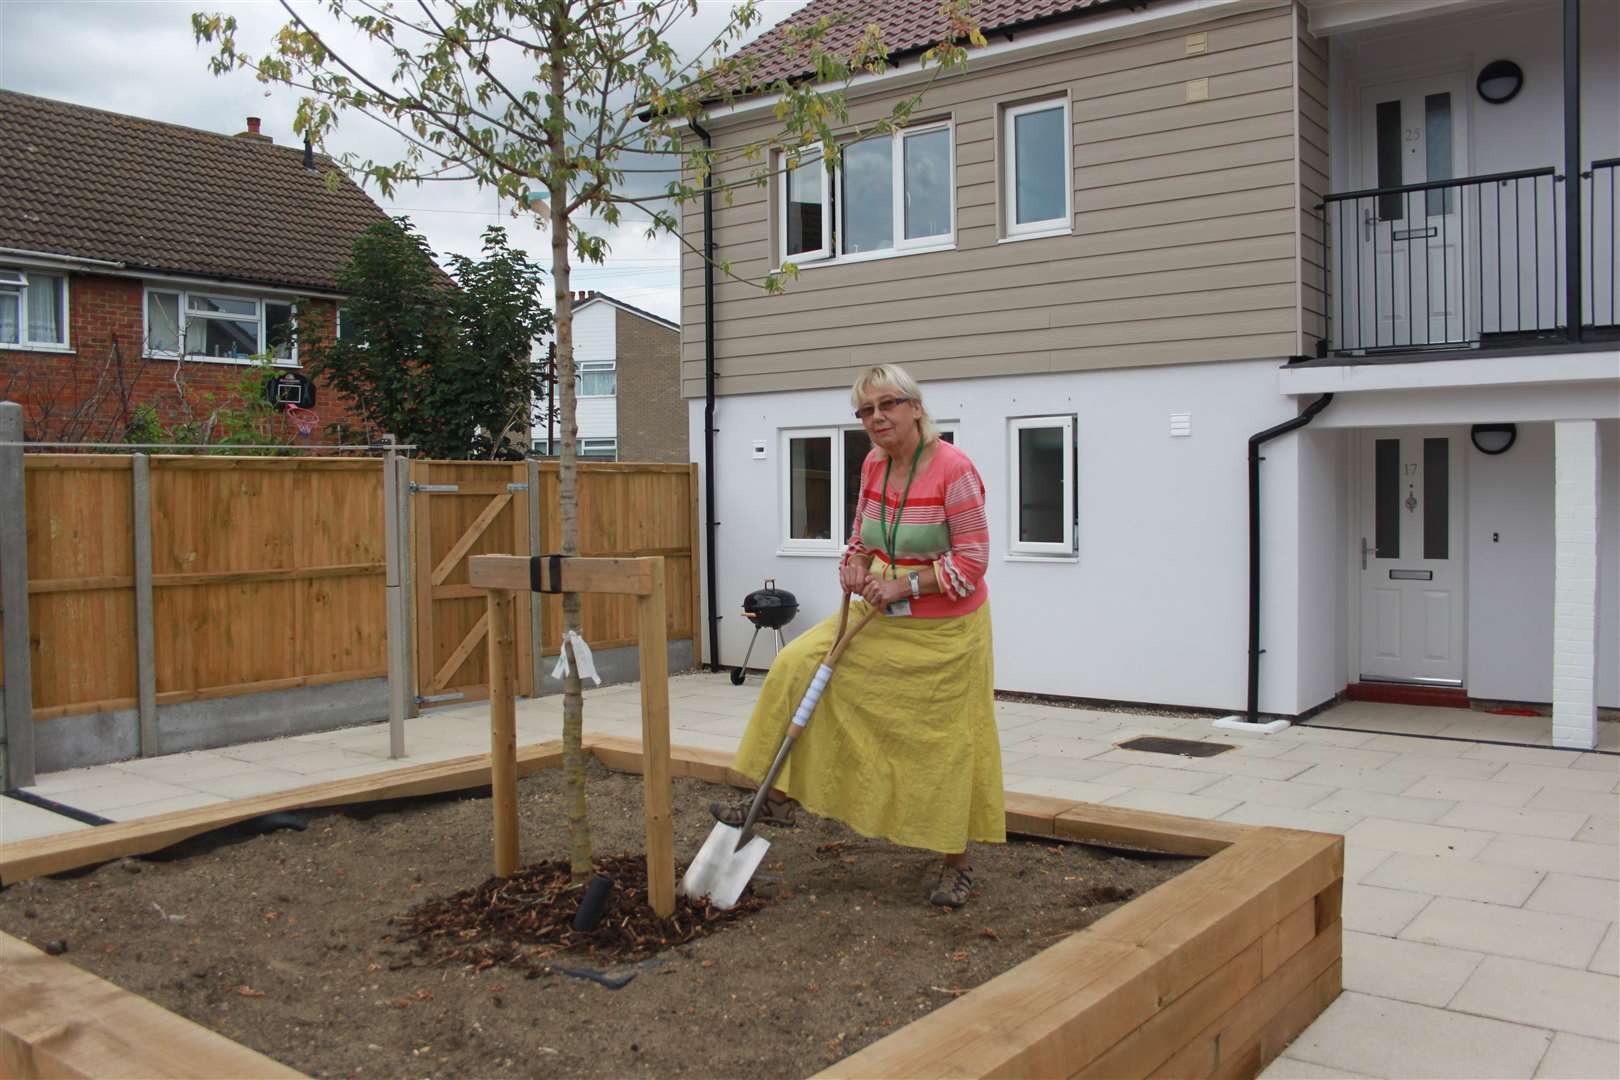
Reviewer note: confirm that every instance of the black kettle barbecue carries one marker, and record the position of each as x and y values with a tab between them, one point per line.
769	608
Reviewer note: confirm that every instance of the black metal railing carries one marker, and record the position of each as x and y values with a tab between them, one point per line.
1447	263
1602	236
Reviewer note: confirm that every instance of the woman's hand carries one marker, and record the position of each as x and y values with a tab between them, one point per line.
853	576
881	592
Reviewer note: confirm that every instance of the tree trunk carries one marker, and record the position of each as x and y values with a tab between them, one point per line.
579	825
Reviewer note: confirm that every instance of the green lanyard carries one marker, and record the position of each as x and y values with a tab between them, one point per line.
891	536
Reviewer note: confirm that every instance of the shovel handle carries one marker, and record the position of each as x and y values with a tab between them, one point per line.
843	639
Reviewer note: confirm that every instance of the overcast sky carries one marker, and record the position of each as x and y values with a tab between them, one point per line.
139	57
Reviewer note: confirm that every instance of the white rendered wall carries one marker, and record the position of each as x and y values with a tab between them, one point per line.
1323	589
1155	606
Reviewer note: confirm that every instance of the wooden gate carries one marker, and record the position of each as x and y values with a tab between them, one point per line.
465	508
458	509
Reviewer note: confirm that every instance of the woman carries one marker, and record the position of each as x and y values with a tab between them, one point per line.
903	744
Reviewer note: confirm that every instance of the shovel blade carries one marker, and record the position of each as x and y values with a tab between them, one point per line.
721	872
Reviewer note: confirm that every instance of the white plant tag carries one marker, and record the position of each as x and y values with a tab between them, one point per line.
582	656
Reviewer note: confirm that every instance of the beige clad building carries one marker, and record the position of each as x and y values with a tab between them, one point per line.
1135	252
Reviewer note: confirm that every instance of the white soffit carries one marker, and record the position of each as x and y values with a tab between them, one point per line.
1329	17
1583	367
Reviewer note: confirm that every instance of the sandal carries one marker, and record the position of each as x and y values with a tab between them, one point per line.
777	813
955	884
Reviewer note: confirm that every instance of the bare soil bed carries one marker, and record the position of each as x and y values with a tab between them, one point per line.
310	946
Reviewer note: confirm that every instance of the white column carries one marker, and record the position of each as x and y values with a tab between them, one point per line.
1575	583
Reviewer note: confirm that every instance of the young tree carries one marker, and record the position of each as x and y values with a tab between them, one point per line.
559	104
444	366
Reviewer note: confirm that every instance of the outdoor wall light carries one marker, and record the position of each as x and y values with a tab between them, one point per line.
1500	81
1493	439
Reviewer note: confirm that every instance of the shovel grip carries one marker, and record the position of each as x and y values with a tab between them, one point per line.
807	705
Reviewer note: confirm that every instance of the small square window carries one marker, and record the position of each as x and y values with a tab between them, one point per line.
598	378
33	308
1043	498
1038	179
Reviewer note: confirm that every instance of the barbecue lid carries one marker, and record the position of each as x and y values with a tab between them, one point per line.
771	603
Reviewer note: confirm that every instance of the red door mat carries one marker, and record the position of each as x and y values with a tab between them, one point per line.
1443	697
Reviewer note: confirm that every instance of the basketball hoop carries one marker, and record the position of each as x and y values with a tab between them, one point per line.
303	419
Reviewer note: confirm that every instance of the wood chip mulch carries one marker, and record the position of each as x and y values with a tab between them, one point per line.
521	920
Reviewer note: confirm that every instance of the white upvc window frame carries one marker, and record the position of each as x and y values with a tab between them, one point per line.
898	243
1011	228
579	450
834	544
812	156
185	311
597	367
1068	546
16	280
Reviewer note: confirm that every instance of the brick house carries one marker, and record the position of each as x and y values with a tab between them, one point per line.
145	264
629	394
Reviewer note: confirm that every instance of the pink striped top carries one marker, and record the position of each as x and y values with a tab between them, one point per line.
943	526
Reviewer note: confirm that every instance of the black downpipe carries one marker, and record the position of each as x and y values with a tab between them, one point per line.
1255	442
1572	168
709	522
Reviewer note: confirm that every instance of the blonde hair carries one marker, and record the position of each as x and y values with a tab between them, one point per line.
898	377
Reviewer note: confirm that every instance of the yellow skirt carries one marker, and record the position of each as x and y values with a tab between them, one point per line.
903	743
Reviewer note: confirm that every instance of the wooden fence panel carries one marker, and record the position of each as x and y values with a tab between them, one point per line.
81	584
626	511
267	573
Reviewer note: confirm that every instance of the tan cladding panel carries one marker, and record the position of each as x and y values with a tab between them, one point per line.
1186	213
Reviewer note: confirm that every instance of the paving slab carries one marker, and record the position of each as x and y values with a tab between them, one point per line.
1569	856
1270	792
1461	789
1172	802
1518	820
25	821
1382	1037
1405	970
1369	909
1576	1057
1460	879
1338	822
1358	779
1606	960
1156	779
1566	940
1078	790
1418	839
1543	995
1397	807
1567	894
1554	777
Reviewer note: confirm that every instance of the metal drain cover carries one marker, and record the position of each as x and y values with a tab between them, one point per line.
1158	744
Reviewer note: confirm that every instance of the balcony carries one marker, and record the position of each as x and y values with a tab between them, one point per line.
1467	263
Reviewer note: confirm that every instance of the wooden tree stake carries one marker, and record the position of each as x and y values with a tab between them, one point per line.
503	732
652	638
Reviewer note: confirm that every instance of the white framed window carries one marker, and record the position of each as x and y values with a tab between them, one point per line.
1038	177
220	326
599	449
893	193
1043	500
33	309
806	221
598	378
821	486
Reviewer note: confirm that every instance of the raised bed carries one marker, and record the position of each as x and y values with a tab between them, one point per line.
1210	974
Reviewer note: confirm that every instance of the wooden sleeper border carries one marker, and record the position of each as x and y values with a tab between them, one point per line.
1209	975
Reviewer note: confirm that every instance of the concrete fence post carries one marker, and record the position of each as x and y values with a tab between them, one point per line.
18	764
145	632
397	689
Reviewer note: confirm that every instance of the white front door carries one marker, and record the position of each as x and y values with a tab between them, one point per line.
1412	609
1409	265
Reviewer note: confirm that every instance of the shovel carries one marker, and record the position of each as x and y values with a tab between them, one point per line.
730	855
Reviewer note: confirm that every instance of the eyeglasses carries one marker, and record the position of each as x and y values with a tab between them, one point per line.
885	405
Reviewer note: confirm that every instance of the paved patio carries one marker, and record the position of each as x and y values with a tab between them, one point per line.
1482	880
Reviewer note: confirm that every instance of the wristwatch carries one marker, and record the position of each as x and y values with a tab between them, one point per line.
916	584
